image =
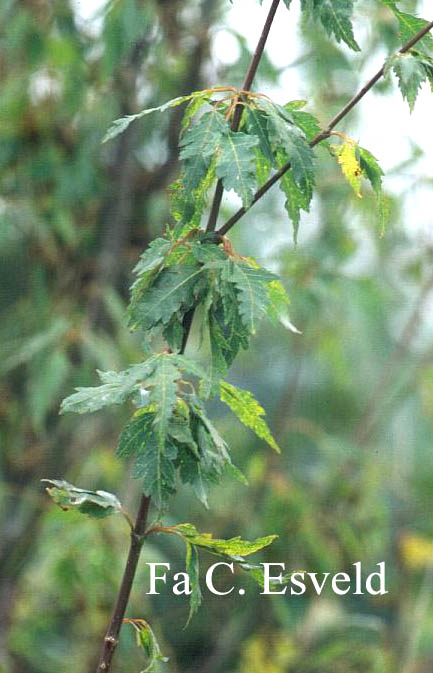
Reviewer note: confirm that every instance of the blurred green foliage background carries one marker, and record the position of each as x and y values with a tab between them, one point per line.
350	400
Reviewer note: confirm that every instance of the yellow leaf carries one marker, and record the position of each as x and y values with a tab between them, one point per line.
350	166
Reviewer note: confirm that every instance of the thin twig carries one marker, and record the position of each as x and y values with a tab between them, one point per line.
246	86
323	134
112	635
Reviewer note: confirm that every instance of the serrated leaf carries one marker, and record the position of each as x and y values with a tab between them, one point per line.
252	294
234	549
188	365
192	568
373	172
152	257
219	443
154	465
173	289
347	158
410	25
135	434
410	73
199	144
234	546
257	125
187	205
335	16
288	138
96	504
296	200
149	435
116	388
163	394
278	301
235	164
307	122
206	465
120	125
248	411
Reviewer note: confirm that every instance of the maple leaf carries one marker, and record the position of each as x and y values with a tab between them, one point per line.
235	164
347	158
336	18
199	143
248	410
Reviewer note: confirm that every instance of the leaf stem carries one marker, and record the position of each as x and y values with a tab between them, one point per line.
246	86
326	133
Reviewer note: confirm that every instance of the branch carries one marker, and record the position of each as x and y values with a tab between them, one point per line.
246	86
138	533
112	635
324	134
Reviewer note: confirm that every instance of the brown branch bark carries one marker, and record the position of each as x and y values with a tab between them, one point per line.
246	86
112	635
324	134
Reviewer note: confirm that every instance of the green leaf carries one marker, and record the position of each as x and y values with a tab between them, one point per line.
235	546
205	464
278	301
257	125
288	138
235	549
373	172
120	125
96	504
296	200
307	122
188	365
116	388
147	641
248	411
192	567
410	74
410	25
198	145
152	433
335	16
154	462
153	256
187	205
174	289
236	166
252	293
163	395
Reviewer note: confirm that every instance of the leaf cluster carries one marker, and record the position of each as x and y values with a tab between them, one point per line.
170	435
